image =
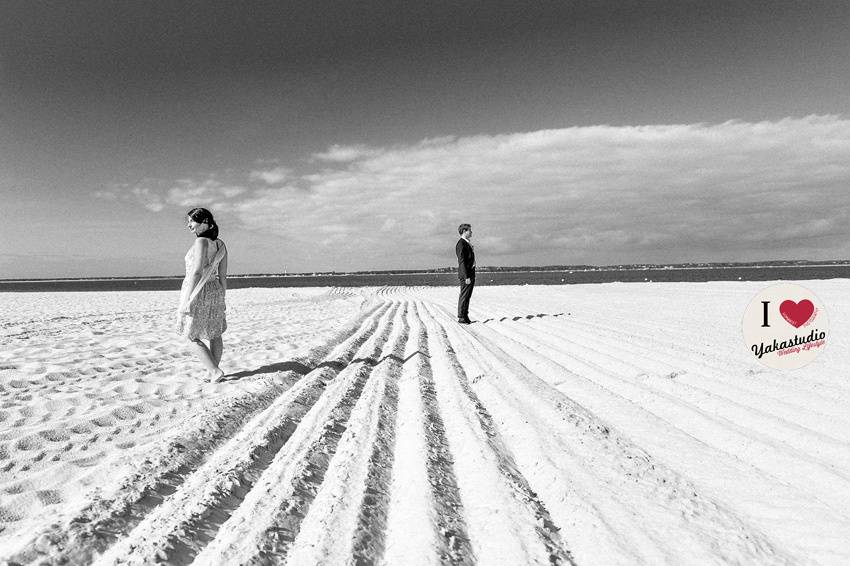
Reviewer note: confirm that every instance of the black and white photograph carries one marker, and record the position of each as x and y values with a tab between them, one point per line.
424	283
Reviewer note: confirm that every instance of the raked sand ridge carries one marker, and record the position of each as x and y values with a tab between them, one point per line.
592	424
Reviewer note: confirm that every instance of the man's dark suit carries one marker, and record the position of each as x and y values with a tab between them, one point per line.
465	270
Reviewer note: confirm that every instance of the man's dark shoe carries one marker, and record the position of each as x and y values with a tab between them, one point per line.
464	321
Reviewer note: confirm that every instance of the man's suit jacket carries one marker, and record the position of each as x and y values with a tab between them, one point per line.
465	260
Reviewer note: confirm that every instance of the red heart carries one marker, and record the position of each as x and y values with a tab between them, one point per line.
797	314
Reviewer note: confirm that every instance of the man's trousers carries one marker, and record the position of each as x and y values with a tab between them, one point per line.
463	300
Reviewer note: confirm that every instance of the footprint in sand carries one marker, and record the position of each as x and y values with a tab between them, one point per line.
59	376
81	428
49	496
103	421
29	443
142	408
9	516
55	435
17	488
124	413
88	461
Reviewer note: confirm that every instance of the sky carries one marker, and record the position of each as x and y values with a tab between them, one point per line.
358	135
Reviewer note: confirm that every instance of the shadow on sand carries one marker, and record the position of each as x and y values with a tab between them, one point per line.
526	316
302	369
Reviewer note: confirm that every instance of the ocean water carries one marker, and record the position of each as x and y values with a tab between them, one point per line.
567	277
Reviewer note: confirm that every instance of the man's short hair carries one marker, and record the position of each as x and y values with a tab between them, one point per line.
463	228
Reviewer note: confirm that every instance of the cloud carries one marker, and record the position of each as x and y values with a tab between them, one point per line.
156	194
141	194
730	191
273	176
148	198
106	195
346	153
209	193
733	191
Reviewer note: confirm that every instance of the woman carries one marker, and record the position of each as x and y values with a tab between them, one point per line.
200	315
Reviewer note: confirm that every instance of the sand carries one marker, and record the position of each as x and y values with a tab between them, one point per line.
587	424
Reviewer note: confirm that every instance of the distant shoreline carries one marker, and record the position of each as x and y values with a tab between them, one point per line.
488	269
486	277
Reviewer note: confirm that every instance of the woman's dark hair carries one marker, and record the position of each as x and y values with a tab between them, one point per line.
204	216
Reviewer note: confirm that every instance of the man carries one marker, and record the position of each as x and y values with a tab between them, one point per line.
465	272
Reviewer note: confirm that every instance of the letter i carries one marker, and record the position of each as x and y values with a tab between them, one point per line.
765	324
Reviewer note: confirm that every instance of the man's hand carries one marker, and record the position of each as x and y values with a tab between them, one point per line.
468	281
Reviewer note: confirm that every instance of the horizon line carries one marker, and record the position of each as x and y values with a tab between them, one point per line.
483	269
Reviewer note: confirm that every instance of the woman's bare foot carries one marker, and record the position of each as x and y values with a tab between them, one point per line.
216	375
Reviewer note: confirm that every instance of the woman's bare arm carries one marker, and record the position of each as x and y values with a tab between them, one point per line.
200	253
222	270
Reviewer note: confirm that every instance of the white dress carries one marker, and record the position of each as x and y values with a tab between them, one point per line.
205	319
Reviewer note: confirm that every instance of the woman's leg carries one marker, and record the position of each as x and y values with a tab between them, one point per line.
204	354
216	349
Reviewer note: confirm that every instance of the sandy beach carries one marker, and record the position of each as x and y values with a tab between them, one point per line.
587	424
